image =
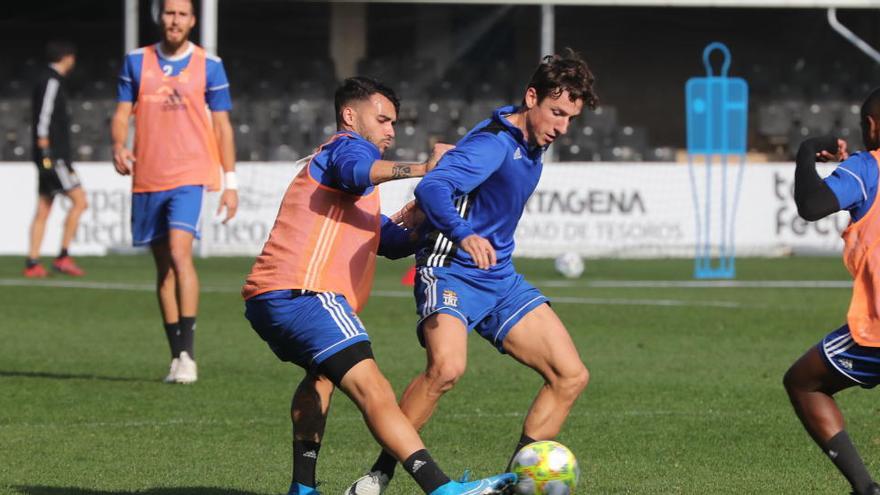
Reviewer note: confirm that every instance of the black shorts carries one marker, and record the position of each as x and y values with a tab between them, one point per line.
57	178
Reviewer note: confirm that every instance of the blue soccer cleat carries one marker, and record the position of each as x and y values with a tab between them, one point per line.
492	485
298	489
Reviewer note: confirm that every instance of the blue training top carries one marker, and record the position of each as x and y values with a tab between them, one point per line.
344	164
479	187
854	182
217	85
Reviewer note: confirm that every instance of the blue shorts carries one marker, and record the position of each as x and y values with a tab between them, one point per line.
492	306
153	214
858	363
305	329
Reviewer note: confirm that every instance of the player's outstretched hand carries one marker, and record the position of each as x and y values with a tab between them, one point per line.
122	160
410	216
437	153
228	200
828	156
480	250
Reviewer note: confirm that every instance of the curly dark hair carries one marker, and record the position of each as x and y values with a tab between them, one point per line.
565	72
361	88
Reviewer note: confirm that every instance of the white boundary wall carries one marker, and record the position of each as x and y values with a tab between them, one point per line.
668	3
596	209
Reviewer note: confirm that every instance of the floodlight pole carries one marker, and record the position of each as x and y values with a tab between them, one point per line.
548	47
208	33
851	36
548	29
131	25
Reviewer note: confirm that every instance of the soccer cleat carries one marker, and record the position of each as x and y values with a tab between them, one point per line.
172	371
298	489
372	483
67	266
493	485
187	371
36	271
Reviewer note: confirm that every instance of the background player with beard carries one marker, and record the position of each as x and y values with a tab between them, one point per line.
177	154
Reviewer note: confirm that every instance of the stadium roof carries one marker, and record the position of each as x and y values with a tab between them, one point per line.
823	4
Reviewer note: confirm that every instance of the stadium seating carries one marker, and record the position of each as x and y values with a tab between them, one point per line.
284	108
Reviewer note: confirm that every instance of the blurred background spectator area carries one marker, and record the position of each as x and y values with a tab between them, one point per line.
452	64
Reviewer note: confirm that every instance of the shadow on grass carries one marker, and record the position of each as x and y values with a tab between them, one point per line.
71	376
186	490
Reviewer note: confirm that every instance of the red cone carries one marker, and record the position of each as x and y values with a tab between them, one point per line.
409	278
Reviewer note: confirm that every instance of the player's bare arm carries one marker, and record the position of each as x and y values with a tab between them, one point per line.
385	170
226	142
123	158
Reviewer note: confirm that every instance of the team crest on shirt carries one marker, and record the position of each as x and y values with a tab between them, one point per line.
450	298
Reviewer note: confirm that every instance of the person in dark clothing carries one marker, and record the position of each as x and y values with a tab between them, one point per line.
52	155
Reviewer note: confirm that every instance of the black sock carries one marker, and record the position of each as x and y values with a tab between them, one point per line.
188	335
385	464
63	253
844	455
305	459
172	331
425	471
31	262
523	441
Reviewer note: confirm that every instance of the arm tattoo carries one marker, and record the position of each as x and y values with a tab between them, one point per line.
399	171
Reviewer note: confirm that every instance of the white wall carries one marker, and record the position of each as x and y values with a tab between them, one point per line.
628	210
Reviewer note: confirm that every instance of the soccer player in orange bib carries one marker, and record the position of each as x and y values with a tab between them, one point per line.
315	273
179	148
850	355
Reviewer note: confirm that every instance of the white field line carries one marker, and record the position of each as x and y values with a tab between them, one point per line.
602	301
647	284
701	284
595	301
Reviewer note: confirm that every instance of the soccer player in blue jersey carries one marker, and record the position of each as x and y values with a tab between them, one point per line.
179	150
466	280
850	355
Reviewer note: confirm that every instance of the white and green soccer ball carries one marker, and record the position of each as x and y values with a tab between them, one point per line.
569	265
545	468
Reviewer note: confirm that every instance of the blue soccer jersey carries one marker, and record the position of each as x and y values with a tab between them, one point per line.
854	182
479	187
217	85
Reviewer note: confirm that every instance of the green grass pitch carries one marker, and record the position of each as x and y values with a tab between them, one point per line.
685	394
